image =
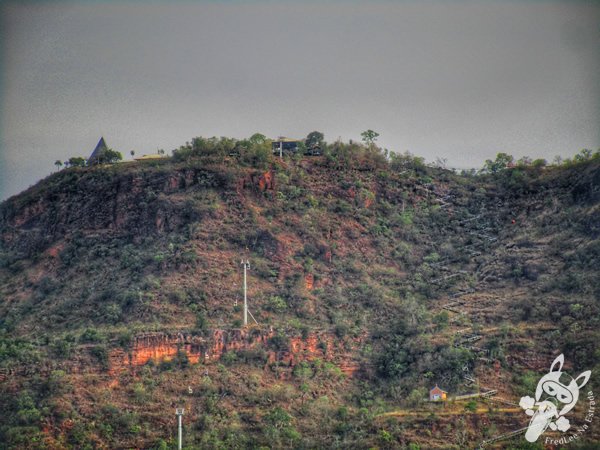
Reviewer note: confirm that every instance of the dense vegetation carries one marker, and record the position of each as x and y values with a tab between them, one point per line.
360	245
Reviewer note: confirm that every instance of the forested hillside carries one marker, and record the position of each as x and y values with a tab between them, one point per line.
373	277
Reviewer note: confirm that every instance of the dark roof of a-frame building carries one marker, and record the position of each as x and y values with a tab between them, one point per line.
100	148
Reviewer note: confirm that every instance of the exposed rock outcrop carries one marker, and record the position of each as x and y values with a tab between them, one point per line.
158	347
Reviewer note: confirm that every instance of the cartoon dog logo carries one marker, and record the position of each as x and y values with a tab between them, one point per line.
550	394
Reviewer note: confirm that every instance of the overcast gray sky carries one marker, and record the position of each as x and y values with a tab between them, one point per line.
461	80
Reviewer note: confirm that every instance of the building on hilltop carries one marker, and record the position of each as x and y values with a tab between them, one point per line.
437	394
152	156
96	156
285	145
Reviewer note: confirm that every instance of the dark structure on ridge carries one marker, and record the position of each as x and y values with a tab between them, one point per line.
96	156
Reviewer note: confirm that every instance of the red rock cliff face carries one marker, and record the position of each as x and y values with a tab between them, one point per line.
205	350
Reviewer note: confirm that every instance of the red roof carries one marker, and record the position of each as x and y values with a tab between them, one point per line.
437	390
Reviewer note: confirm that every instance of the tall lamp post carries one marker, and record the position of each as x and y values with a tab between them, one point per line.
246	265
179	413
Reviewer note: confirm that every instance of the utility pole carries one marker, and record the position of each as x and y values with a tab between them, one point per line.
281	149
179	413
246	265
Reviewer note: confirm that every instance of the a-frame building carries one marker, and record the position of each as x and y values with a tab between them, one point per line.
96	155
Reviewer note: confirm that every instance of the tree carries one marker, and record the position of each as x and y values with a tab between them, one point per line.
524	161
58	163
502	161
539	163
583	155
109	156
417	397
279	426
406	161
369	137
132	152
201	322
278	417
254	151
76	161
257	139
314	140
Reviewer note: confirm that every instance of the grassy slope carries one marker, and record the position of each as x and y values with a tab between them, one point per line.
90	257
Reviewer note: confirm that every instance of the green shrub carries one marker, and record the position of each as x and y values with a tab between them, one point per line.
229	358
91	335
63	347
57	383
441	320
279	342
140	394
27	412
471	406
100	352
201	322
125	338
276	304
112	313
